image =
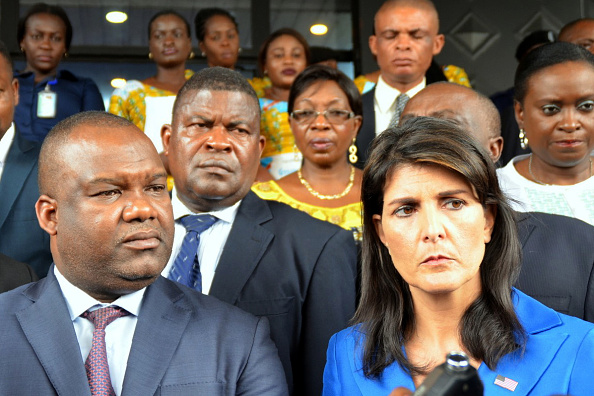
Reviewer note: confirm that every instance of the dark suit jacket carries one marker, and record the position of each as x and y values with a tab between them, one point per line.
558	262
20	235
185	343
299	272
14	273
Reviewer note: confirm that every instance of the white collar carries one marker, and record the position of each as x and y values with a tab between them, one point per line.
385	95
79	301
6	142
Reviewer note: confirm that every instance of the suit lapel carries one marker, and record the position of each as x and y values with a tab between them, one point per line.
20	162
49	330
525	227
367	132
162	321
243	250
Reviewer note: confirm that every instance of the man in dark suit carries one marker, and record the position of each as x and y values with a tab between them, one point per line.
262	256
405	40
21	238
558	251
105	205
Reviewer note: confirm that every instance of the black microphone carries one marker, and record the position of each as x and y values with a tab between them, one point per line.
455	377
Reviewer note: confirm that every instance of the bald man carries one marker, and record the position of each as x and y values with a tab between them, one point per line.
405	40
558	259
107	211
471	110
580	32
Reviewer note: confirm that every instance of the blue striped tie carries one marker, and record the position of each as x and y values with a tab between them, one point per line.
186	269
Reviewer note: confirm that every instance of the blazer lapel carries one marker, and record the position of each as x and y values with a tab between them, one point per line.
541	348
161	323
20	162
243	250
48	328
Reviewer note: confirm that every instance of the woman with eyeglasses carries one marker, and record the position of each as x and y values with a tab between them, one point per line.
325	115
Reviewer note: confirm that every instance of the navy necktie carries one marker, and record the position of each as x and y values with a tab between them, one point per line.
186	269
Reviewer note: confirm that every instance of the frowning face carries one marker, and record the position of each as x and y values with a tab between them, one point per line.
435	229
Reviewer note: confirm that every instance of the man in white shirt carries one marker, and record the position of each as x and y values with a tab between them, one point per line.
104	318
262	256
405	40
21	238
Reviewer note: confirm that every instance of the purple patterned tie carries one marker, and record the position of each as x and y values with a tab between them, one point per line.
96	364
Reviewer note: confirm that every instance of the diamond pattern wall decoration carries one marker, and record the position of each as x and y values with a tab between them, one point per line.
473	35
542	20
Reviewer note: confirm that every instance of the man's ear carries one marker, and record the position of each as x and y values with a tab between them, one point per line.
438	44
373	44
47	214
495	147
165	138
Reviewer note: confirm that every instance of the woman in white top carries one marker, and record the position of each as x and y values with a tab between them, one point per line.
554	105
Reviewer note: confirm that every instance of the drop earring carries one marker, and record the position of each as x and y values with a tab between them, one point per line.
150	55
192	55
523	139
353	153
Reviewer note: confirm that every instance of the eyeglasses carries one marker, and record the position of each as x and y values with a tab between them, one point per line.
334	116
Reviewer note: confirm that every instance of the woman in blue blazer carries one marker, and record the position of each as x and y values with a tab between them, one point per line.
440	255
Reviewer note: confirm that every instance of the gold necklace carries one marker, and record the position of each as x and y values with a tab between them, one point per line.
321	196
543	183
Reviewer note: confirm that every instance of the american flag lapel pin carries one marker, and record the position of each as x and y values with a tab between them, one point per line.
506	383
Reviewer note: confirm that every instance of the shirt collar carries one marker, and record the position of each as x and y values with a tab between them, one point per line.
388	94
226	214
78	301
5	143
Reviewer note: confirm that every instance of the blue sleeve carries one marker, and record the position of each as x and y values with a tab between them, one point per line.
91	97
331	382
263	373
582	380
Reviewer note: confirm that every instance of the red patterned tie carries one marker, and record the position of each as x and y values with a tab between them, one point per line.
96	364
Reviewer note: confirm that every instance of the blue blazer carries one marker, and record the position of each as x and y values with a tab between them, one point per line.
21	237
185	343
558	359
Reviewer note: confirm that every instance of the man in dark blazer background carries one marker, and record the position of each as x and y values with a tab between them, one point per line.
558	251
105	205
21	238
262	256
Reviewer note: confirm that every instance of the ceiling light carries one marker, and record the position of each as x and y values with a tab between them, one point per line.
116	16
118	82
318	29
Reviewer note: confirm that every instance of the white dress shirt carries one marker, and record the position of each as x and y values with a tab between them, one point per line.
212	240
5	144
384	102
118	334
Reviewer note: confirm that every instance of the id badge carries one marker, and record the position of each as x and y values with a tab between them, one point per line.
47	102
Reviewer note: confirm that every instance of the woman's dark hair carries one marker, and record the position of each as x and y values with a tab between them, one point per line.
317	73
42	8
276	34
545	56
204	15
168	12
489	328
